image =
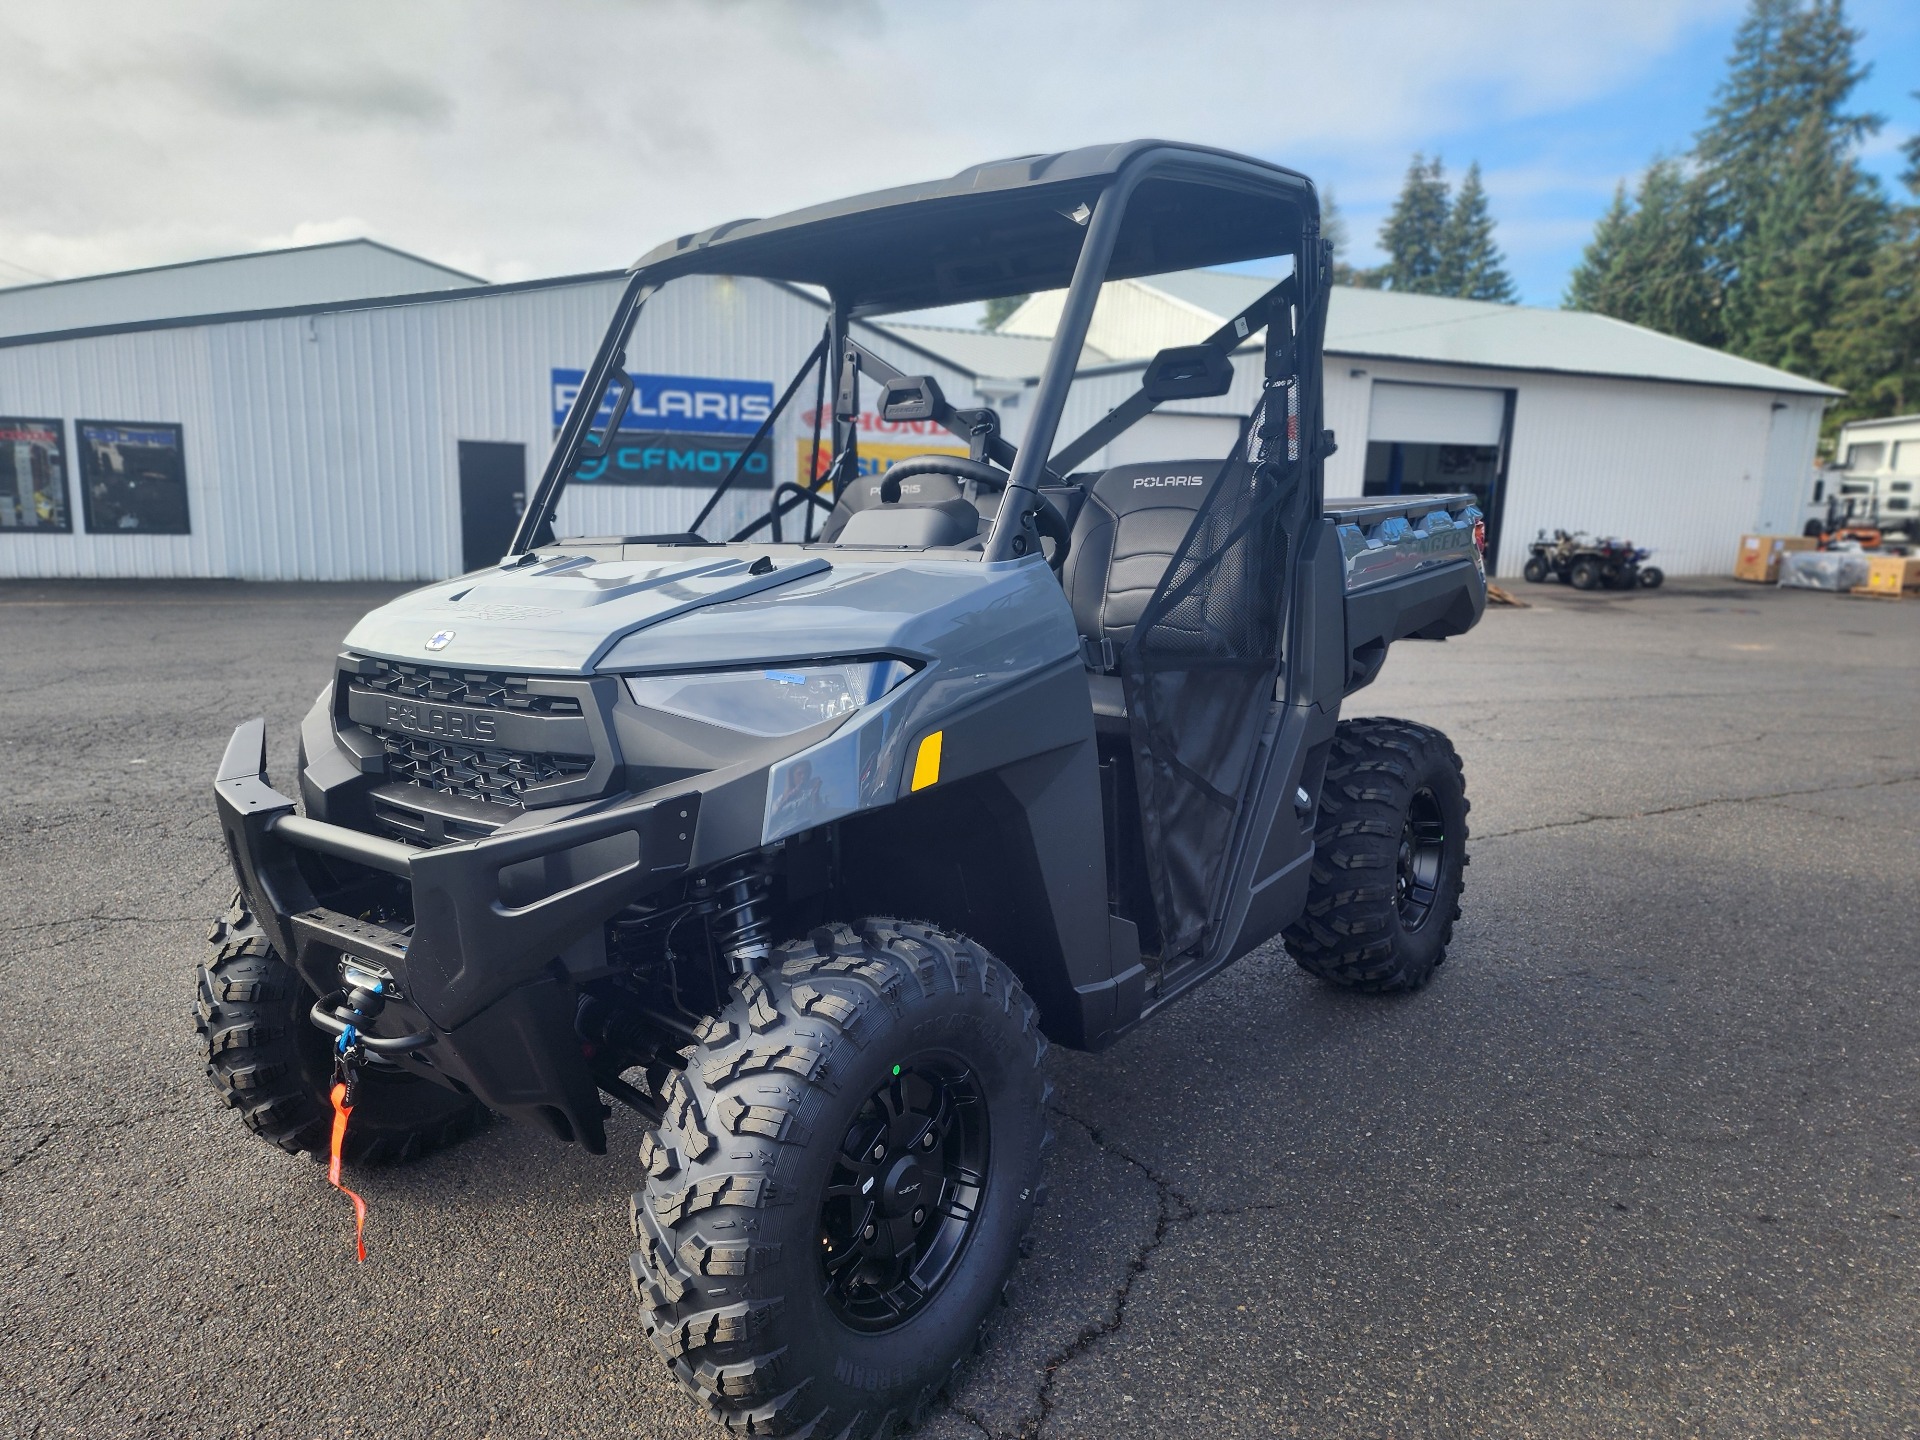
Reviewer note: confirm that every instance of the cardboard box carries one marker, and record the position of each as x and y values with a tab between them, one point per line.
1759	559
1891	575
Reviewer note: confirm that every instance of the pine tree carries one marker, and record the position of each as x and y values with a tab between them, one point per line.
1872	346
1812	240
1592	279
1648	262
1780	122
1414	229
1471	265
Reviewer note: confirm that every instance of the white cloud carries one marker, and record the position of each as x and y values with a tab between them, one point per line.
516	140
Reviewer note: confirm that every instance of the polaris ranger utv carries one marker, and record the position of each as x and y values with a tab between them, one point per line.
806	848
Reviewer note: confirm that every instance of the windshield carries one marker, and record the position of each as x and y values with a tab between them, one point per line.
743	441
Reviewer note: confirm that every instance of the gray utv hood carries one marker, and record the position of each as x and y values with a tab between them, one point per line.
575	615
559	615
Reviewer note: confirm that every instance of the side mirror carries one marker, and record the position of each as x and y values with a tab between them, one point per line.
911	397
1187	372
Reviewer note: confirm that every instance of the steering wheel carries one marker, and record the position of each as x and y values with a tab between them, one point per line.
1048	521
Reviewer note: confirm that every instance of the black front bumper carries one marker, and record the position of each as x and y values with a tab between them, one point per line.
480	971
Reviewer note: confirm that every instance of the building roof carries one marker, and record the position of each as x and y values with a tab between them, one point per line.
989	354
1392	325
340	270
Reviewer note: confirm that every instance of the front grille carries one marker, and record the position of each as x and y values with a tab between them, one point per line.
461	687
494	775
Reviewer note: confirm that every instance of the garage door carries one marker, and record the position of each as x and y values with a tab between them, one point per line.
1436	414
1175	437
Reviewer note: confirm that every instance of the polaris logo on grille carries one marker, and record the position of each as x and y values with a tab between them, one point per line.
439	722
440	639
1148	482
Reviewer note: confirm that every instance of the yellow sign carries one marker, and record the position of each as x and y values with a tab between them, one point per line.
876	456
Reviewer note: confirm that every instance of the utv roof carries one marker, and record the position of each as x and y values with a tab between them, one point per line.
1010	227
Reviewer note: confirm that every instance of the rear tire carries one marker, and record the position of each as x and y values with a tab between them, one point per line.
1389	859
273	1065
1651	576
1584	575
1534	571
777	1218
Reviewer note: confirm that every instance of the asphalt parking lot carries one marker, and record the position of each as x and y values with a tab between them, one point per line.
1641	1161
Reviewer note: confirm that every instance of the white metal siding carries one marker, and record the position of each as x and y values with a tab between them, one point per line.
325	446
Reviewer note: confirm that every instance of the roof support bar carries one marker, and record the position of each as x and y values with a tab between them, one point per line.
1089	272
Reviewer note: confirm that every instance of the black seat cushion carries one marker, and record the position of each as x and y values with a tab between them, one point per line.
1134	518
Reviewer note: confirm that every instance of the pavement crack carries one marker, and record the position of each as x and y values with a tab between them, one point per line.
1174	1210
1592	818
14	1162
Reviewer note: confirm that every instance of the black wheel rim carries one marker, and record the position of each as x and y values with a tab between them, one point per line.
1423	849
904	1194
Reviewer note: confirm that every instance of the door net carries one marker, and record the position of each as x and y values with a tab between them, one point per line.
1201	666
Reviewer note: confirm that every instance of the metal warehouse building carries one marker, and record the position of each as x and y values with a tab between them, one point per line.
350	412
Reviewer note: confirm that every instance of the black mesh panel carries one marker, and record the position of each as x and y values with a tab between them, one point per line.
1200	669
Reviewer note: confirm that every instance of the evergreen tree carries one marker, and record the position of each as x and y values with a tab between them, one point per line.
1770	240
1812	240
1648	262
1414	229
1470	264
1872	348
1780	122
1590	284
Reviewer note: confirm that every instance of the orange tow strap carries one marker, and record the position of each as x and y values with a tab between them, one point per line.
341	1110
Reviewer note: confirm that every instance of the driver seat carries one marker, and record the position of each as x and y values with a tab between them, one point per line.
1124	537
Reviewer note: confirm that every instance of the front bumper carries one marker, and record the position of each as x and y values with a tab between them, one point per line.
491	918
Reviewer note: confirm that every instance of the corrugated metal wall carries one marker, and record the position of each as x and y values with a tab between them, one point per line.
325	446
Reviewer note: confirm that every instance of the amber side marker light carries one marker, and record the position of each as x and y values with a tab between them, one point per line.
926	762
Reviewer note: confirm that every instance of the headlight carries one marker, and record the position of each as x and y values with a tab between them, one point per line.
770	702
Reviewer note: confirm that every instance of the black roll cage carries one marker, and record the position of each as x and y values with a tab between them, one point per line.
769	249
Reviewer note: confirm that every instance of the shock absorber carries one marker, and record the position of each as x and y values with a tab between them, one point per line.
741	922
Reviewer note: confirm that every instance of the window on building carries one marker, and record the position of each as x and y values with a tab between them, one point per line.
133	477
1906	457
33	475
1866	457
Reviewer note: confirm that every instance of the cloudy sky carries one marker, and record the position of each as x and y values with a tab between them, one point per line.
522	139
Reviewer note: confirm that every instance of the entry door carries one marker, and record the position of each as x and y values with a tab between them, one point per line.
493	495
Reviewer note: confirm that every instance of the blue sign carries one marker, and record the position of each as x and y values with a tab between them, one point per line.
676	404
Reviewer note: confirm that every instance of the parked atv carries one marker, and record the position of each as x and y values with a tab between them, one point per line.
806	850
1589	564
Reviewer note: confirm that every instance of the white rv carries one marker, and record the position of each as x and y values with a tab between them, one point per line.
1875	478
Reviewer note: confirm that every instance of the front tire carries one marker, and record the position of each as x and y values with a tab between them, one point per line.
1584	575
1389	859
270	1062
1534	571
837	1197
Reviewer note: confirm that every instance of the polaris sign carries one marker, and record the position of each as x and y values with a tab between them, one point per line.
675	404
